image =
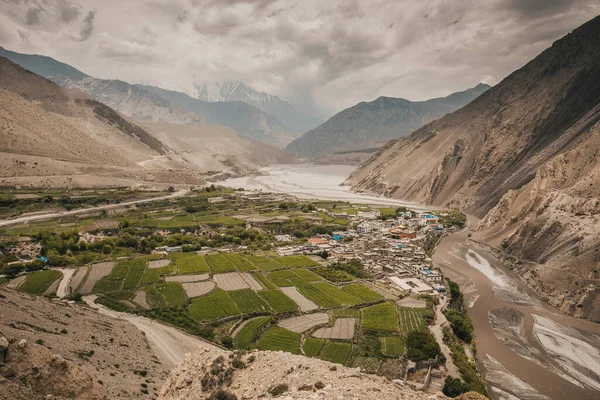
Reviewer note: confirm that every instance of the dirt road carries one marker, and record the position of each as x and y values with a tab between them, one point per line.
43	217
63	286
169	344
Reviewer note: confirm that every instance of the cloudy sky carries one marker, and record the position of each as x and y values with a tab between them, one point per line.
328	53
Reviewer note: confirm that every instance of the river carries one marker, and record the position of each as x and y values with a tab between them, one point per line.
525	349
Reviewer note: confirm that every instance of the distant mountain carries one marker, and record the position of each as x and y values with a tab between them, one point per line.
370	125
273	105
149	103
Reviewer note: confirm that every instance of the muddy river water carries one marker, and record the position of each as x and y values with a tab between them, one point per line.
525	349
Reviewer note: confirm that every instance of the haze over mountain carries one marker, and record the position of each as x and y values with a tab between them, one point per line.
150	103
369	125
272	105
524	156
54	136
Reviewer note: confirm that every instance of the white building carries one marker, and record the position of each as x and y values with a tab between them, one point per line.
373	214
366	227
283	238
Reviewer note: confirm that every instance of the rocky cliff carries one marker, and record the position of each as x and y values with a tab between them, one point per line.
525	157
371	124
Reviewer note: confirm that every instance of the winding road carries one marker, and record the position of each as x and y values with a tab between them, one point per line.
169	344
43	217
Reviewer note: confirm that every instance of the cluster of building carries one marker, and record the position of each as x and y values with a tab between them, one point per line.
391	250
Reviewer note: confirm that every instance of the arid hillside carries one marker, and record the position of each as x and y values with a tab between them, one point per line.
52	136
526	154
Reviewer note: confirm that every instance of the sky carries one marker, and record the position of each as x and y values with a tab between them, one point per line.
318	54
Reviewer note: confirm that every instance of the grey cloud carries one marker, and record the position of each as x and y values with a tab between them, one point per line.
539	8
67	10
33	16
87	27
23	35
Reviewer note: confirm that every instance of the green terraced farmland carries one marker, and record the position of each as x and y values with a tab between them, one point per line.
345	313
336	352
312	347
392	346
411	319
334	275
152	275
282	278
220	263
296	261
269	265
248	301
190	264
307	275
126	275
380	317
362	291
39	281
314	294
276	338
173	293
106	286
154	299
264	281
241	263
278	301
216	305
337	294
243	339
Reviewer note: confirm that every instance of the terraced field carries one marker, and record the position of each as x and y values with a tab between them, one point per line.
172	292
296	261
380	317
216	305
278	301
282	278
392	346
411	319
276	338
336	352
362	292
313	293
248	301
39	281
190	264
304	322
307	275
312	347
219	263
337	294
243	338
126	275
263	280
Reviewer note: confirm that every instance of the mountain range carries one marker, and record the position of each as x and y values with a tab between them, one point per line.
151	103
272	105
53	136
368	125
523	157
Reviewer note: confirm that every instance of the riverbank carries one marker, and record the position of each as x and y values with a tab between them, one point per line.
511	356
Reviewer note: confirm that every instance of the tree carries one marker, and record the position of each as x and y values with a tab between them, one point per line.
454	387
324	254
171	189
461	324
107	249
421	346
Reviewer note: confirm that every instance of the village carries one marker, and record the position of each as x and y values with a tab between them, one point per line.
391	250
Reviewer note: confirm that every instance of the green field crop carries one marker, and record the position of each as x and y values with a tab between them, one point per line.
243	339
345	313
241	263
191	263
220	263
269	265
152	275
307	275
296	261
154	299
314	294
282	277
334	275
248	301
173	293
336	352
411	319
362	291
337	294
278	301
380	317
276	338
216	305
39	281
264	281
106	286
126	275
392	346
312	347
